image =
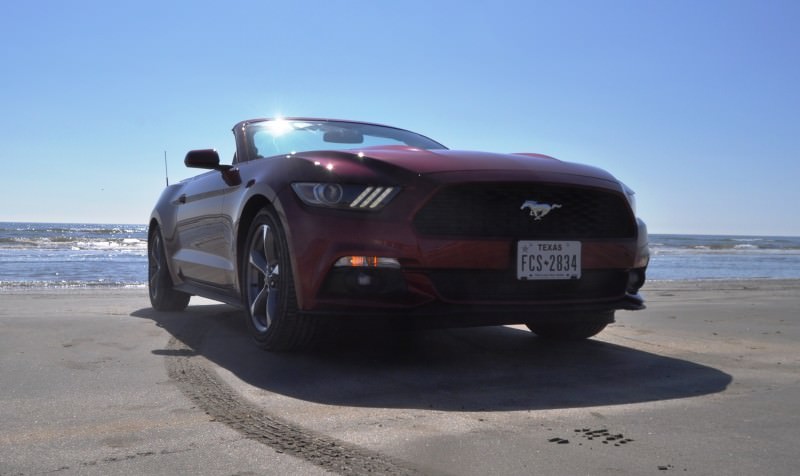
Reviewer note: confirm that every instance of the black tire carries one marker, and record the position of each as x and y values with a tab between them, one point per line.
268	291
162	295
573	329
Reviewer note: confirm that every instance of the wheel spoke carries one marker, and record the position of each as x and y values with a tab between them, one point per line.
259	262
272	299
258	257
270	254
274	274
259	307
262	278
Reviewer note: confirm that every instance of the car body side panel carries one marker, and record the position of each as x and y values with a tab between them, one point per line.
199	254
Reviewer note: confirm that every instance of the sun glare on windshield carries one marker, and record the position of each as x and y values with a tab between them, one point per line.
279	127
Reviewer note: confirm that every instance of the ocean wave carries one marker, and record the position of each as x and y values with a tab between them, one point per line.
717	242
72	243
66	228
15	242
745	250
126	243
67	284
699	249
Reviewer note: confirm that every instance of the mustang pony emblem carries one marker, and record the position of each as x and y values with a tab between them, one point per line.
538	210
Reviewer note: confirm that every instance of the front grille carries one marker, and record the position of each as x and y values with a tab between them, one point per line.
469	285
493	210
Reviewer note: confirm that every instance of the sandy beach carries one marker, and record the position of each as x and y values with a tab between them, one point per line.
705	381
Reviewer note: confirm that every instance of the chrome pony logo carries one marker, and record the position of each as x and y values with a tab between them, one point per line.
538	210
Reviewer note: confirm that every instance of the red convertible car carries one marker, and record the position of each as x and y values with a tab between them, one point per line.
317	219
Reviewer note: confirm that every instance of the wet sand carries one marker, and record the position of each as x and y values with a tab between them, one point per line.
705	381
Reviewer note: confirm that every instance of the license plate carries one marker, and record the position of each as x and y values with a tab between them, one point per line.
548	260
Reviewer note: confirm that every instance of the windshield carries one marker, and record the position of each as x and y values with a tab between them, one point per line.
283	137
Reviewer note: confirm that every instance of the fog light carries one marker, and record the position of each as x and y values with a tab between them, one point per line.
351	281
366	262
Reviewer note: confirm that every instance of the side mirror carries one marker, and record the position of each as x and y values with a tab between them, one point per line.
204	159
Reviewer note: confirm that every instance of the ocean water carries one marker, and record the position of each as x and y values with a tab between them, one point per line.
34	255
709	257
72	255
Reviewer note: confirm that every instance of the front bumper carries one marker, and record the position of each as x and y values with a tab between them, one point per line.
445	278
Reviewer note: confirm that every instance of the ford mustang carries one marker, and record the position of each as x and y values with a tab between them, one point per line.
318	219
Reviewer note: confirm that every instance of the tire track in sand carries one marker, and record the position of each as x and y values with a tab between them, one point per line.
205	388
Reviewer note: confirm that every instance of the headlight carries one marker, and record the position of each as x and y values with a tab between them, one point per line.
345	196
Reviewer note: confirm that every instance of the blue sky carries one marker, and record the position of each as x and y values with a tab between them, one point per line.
695	105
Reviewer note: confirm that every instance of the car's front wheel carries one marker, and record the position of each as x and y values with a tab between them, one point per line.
162	295
588	327
268	288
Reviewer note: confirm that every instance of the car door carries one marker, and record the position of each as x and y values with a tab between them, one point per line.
204	254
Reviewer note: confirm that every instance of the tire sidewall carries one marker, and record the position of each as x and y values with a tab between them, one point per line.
163	296
156	294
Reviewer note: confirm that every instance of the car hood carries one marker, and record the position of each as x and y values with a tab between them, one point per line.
428	162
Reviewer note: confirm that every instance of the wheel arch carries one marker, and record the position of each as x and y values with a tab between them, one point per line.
152	226
254	205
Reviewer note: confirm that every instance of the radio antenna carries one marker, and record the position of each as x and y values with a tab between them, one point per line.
166	173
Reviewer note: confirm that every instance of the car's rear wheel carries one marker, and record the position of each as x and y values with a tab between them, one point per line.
268	288
589	326
162	295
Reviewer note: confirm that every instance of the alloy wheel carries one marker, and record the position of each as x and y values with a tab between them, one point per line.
262	278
